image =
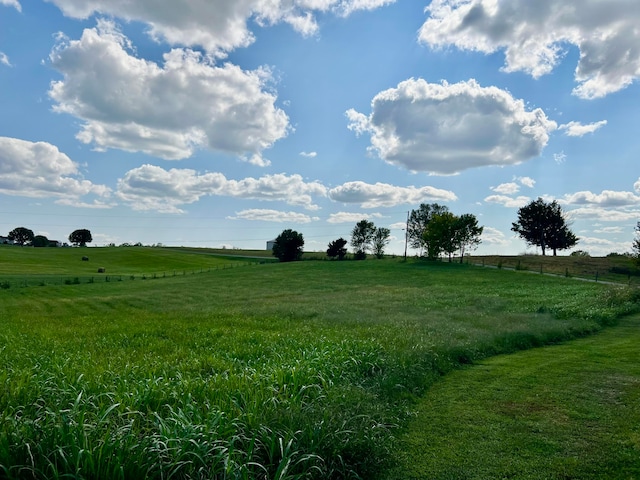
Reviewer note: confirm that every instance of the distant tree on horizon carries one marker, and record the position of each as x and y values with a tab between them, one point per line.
362	238
337	248
418	221
288	246
21	235
544	225
40	241
636	244
380	241
80	237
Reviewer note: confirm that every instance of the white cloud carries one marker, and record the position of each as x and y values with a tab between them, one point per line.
509	202
385	195
493	236
576	129
39	169
168	111
602	214
264	215
507	188
526	181
150	187
559	157
636	186
309	154
11	3
447	128
534	36
351	217
219	26
4	60
608	230
608	198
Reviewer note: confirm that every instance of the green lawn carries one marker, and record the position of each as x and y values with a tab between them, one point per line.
302	370
566	411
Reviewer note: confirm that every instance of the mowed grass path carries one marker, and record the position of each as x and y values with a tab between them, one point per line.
566	411
303	370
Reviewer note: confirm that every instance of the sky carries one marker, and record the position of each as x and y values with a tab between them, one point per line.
213	123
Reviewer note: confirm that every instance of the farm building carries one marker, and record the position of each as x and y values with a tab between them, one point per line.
270	244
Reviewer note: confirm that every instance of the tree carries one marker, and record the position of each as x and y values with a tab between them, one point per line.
468	233
40	241
80	237
544	225
288	246
21	235
337	249
362	237
440	235
636	244
418	221
380	241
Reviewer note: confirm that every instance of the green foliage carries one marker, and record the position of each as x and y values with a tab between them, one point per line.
337	248
362	237
580	253
380	241
40	241
80	237
418	221
543	224
448	233
636	244
21	235
288	246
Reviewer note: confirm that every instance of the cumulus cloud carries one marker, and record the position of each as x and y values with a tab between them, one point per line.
507	188
4	60
608	198
218	26
506	201
494	236
264	215
164	110
534	36
39	169
150	187
447	128
351	217
385	195
601	214
526	181
636	186
576	129
11	3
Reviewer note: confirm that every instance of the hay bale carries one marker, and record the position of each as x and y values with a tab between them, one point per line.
101	270
85	259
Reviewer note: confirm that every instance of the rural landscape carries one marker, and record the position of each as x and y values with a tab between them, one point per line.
198	363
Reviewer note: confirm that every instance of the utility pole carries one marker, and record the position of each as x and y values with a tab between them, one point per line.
406	237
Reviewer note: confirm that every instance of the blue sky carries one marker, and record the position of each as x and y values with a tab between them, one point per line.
217	123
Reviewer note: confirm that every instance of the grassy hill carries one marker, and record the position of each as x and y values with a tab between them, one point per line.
301	370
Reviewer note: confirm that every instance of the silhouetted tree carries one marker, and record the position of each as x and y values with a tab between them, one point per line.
636	244
337	249
40	241
80	237
417	224
468	233
288	246
21	235
544	225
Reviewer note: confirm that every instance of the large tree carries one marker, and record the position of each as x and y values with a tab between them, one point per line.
417	224
40	241
380	241
440	235
80	237
544	225
337	248
362	238
21	235
288	246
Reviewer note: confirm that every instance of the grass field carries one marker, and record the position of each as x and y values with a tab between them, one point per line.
302	370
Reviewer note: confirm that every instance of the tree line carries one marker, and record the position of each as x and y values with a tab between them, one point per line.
24	236
434	231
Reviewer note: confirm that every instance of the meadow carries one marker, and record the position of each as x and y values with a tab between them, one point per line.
302	370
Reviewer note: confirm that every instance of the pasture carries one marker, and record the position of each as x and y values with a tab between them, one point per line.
302	370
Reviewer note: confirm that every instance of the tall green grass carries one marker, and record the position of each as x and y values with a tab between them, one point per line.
302	370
